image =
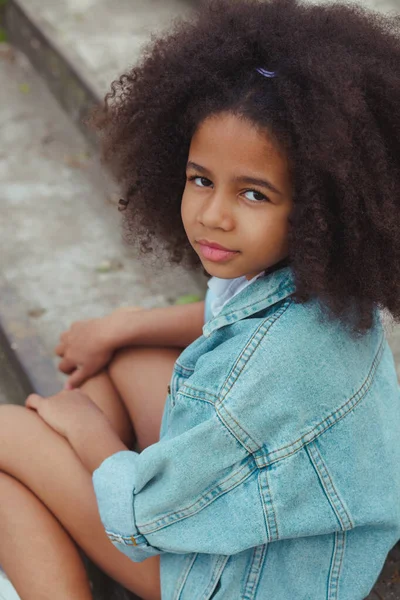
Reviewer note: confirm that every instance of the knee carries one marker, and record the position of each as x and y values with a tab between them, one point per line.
19	424
11	414
121	359
18	421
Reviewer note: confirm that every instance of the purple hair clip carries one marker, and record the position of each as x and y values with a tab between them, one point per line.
266	73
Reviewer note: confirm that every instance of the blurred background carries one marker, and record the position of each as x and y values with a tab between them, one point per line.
62	257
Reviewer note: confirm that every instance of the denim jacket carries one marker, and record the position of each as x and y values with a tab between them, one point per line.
277	473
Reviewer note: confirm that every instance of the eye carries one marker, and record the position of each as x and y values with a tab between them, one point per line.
204	182
258	196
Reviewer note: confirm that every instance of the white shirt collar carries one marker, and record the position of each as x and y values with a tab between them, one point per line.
224	289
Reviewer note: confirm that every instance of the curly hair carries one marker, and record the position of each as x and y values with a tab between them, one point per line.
334	106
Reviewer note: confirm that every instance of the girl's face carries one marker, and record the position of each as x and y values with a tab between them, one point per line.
238	195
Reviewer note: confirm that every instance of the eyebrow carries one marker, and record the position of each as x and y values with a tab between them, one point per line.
240	178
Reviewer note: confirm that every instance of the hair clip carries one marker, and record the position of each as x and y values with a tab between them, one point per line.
122	204
265	72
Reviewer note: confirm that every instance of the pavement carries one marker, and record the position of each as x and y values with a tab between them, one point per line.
60	236
101	38
10	387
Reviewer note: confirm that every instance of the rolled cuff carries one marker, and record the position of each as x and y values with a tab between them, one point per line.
114	487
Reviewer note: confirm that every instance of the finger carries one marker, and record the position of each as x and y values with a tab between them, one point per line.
33	401
59	350
76	379
66	366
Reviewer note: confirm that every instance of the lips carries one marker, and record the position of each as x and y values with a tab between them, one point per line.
214	253
214	245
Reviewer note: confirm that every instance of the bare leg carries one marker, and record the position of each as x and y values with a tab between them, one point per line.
141	376
44	462
102	391
67	492
21	511
132	392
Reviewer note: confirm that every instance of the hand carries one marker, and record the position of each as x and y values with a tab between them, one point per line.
87	347
68	412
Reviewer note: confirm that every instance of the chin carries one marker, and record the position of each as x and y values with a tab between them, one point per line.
222	271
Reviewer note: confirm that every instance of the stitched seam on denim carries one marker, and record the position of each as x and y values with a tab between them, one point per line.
327	484
269	526
126	540
183	577
273	522
336	565
197	398
216	575
176	384
232	430
265	512
254	342
254	573
285	286
198	392
201	497
210	496
227	418
331	419
341	504
248	578
238	314
182	367
195	504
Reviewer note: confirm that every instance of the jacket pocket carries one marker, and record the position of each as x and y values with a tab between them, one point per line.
179	376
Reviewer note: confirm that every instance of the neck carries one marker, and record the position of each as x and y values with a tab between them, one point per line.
285	262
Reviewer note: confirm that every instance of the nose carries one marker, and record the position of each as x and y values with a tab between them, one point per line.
216	211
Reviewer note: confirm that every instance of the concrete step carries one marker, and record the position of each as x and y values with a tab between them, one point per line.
61	253
60	236
80	47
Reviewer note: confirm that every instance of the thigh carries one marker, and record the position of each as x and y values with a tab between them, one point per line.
141	376
103	393
45	463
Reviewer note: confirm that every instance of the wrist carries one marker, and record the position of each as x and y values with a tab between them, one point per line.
125	326
114	329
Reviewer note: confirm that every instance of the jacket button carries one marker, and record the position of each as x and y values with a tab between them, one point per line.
169	389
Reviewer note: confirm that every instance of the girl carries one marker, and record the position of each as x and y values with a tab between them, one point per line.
261	140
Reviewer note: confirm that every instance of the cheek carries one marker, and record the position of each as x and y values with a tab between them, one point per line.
185	211
187	203
271	232
183	202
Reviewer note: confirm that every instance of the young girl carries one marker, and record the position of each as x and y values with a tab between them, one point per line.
262	141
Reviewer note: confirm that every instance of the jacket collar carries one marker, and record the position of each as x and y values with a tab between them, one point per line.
261	294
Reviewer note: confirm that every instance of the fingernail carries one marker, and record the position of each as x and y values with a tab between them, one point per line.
67	386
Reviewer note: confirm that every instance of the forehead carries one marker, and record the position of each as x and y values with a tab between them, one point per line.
230	141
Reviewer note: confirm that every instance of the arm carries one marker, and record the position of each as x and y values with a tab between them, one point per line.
167	326
92	343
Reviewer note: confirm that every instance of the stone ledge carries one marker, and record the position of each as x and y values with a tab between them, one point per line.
67	83
24	348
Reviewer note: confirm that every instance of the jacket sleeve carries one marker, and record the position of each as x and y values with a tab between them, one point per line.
195	492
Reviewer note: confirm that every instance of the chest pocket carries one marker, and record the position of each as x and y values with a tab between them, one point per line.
179	376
